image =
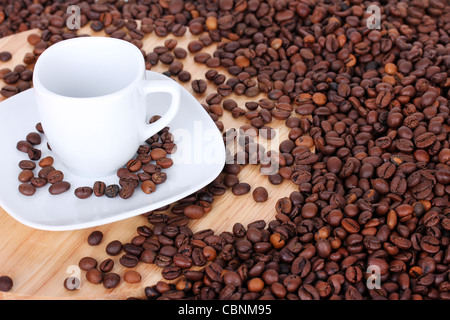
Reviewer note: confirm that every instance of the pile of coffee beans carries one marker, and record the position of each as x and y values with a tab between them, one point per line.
145	170
46	174
368	146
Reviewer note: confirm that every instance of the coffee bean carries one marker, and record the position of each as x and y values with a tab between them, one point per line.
106	265
5	56
199	86
6	283
27	165
112	191
126	191
34	154
45	162
350	225
25	176
195	46
193	211
171	272
176	67
59	187
114	248
132	276
24	146
134	165
38	182
87	263
425	140
184	76
34	138
95	238
260	194
55	176
429	244
166	58
99	188
180	53
83	192
148	186
94	276
129	260
8	91
241	188
158	153
111	280
159	177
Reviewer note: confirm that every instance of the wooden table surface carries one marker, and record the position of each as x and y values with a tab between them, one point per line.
39	261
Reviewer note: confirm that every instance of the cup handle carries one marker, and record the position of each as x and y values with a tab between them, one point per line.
169	86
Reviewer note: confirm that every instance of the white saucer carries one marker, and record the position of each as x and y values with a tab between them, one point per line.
199	159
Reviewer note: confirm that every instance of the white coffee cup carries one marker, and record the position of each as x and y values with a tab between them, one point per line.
92	100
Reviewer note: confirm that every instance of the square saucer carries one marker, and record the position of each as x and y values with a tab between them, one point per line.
199	159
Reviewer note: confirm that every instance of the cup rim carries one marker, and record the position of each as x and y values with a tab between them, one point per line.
39	86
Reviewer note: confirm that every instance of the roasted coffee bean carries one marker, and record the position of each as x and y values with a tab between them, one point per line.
114	248
132	276
180	53
126	191
83	192
25	176
27	189
111	280
87	263
9	90
429	244
6	283
148	186
134	165
184	76
5	56
199	86
38	182
55	176
159	177
260	194
24	146
106	265
193	211
166	58
95	238
99	188
34	138
11	77
34	154
112	191
425	140
129	260
45	162
94	276
27	165
241	188
171	272
59	187
158	153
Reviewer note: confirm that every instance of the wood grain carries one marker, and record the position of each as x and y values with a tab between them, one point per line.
38	261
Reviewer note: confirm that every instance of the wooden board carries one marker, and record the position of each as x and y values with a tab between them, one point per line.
39	261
